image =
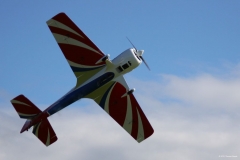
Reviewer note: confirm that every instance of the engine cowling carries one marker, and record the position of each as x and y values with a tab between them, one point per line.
126	61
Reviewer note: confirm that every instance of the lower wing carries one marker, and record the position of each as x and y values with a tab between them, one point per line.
123	108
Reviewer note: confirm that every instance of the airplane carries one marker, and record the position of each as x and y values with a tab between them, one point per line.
98	78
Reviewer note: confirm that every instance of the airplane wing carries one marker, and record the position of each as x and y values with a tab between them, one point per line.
124	109
80	52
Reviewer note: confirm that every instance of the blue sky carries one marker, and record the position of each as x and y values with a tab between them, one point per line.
192	48
181	38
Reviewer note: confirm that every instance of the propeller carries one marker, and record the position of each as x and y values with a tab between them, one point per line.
139	53
144	62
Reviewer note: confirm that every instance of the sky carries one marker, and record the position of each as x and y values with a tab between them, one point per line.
191	96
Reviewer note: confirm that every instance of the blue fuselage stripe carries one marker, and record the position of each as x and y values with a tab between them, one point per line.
80	92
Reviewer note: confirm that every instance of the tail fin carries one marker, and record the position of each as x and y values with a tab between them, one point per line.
44	132
27	110
24	107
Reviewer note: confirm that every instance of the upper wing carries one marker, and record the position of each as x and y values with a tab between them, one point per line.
125	110
80	52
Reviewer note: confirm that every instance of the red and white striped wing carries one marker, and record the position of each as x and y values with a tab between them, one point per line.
124	110
80	52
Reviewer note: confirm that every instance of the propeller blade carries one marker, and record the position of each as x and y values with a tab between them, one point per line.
132	44
144	62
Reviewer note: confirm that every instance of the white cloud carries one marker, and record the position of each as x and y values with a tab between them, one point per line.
193	118
201	91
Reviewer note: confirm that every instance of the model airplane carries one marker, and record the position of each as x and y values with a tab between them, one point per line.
98	78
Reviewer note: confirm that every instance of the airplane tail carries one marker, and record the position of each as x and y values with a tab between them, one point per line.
24	107
42	128
44	132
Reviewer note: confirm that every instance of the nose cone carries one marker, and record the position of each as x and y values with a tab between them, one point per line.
140	52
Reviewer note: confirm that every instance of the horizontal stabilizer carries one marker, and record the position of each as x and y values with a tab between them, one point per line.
44	132
24	107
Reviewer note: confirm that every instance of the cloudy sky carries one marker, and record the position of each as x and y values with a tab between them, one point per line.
191	96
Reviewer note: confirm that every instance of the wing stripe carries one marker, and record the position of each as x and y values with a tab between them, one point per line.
76	69
64	19
134	121
79	55
67	40
60	25
69	35
106	106
72	64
